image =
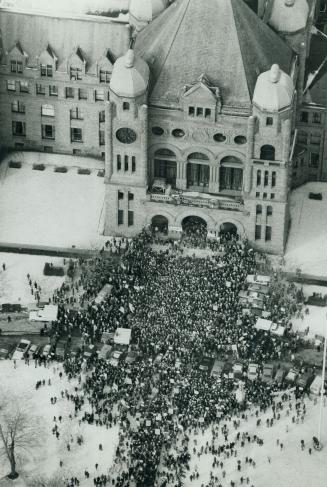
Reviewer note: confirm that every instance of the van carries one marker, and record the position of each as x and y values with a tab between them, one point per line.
315	387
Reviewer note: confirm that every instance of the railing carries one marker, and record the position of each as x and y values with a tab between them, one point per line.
185	200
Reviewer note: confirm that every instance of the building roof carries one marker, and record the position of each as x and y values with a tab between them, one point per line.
130	76
226	41
289	15
274	90
93	35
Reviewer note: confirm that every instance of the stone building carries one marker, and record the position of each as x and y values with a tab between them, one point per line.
196	109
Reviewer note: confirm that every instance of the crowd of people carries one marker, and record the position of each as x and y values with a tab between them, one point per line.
180	309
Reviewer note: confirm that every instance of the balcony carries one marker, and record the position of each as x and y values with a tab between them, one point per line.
199	200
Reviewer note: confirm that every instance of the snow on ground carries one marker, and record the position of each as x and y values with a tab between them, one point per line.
288	468
306	246
49	208
14	286
44	460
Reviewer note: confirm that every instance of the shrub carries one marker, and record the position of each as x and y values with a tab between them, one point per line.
84	171
15	164
38	167
51	270
61	169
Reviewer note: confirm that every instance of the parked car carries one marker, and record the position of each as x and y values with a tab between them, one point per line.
291	376
268	373
4	353
46	351
315	387
89	351
61	349
21	349
205	364
304	380
132	356
217	369
280	376
238	370
105	352
315	196
115	358
253	371
32	350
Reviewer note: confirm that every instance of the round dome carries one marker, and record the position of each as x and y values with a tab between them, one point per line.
289	15
274	90
147	10
130	76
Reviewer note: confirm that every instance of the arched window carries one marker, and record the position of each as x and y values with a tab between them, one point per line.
258	177
165	166
165	152
231	174
267	153
269	210
199	156
273	179
258	210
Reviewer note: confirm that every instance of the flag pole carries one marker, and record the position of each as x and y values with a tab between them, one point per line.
322	386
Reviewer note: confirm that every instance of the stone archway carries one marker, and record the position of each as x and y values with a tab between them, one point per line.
159	224
228	230
194	225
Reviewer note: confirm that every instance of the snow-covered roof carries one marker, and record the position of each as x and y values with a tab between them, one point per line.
274	90
289	15
130	76
122	336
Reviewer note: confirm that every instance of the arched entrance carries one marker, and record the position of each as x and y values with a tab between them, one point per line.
159	224
194	226
228	230
165	166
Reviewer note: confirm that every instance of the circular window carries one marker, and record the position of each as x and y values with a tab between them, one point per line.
126	135
240	139
157	130
219	138
178	133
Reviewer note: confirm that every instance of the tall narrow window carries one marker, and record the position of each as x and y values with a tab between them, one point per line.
258	177
125	106
273	179
130	218
133	163
118	162
101	137
258	232
120	217
126	163
258	209
268	234
269	210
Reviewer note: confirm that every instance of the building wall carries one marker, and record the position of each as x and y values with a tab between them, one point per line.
62	121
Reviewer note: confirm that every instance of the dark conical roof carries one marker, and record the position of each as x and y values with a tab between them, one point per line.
223	39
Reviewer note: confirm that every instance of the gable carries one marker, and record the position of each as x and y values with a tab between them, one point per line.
200	93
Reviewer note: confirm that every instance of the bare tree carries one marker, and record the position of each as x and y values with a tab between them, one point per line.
19	432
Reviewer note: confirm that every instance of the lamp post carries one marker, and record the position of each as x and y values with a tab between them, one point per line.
322	386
